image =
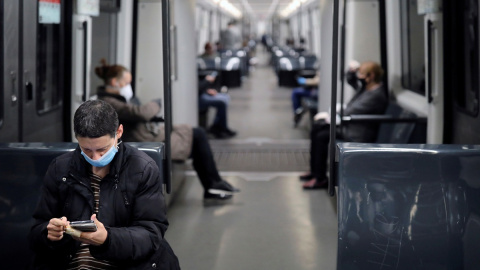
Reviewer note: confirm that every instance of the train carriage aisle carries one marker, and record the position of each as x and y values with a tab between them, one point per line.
272	223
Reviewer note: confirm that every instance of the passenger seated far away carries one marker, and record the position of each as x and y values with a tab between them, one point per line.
308	89
142	124
370	98
209	97
209	51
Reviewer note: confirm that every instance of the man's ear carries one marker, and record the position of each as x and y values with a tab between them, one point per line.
119	131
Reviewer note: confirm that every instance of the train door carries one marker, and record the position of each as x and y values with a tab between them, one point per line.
81	53
33	71
433	68
9	114
462	83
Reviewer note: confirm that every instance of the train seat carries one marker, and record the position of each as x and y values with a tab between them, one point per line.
231	71
397	125
409	206
288	67
22	169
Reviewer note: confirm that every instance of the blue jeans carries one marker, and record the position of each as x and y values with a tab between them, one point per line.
298	93
219	102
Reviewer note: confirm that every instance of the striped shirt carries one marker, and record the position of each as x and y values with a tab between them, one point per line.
83	260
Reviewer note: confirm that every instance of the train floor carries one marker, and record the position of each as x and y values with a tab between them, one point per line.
272	223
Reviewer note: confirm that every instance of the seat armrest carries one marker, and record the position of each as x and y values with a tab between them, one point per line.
381	118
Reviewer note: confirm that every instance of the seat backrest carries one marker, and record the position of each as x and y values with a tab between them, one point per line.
22	169
408	206
396	132
204	63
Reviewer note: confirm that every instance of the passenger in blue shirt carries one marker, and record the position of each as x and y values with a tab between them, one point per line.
308	89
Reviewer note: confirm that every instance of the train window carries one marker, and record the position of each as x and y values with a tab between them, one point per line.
467	96
49	57
104	40
413	52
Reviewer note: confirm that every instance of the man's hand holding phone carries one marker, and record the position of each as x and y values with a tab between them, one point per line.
56	228
89	232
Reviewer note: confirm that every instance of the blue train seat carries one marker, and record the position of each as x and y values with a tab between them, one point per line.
396	125
22	169
409	206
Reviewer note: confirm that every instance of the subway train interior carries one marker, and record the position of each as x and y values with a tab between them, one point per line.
410	200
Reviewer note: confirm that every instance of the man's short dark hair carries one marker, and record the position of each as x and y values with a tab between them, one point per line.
94	119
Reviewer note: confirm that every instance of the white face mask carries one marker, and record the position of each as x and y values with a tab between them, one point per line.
126	92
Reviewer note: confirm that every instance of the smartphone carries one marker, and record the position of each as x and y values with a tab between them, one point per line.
84	225
214	74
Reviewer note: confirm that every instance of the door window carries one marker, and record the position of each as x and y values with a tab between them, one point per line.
467	96
413	52
49	63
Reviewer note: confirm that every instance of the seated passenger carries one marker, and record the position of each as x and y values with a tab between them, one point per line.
82	185
209	97
369	99
209	52
142	124
308	89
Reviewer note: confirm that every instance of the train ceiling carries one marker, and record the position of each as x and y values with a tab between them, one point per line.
264	9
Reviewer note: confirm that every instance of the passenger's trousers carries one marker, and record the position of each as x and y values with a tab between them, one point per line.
202	157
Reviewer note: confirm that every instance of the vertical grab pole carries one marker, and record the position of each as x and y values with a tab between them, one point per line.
333	104
342	58
167	92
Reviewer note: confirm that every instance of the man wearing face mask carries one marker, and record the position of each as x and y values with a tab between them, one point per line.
115	185
370	98
142	123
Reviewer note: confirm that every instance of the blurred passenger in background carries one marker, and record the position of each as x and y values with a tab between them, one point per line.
308	89
230	38
210	97
370	98
209	51
143	123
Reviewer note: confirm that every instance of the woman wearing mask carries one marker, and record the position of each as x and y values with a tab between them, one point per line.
143	124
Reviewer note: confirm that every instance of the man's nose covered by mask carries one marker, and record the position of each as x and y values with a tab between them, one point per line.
103	160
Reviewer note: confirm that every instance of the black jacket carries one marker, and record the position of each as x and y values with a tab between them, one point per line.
364	102
132	208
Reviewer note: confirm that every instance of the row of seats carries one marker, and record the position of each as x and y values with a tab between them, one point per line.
289	64
23	167
230	65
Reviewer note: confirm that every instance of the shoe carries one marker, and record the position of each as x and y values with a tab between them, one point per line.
306	177
220	196
217	133
222	187
297	116
314	184
230	132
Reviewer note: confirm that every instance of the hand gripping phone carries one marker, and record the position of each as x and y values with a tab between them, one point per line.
84	225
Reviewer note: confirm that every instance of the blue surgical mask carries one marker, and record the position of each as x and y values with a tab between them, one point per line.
103	160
